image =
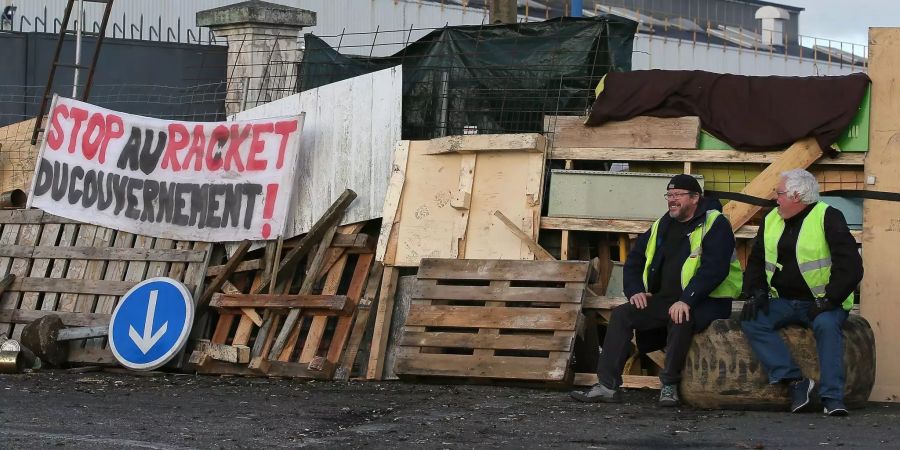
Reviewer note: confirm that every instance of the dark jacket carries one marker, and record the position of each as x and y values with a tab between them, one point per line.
717	249
846	263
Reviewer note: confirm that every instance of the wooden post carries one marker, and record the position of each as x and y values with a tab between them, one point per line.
881	226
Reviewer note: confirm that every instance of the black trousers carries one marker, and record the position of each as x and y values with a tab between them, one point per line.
626	319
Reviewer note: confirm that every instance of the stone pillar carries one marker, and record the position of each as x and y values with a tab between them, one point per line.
264	49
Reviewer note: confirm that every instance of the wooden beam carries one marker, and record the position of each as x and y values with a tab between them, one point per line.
6	282
539	252
220	279
799	156
69	319
388	232
524	142
640	132
691	155
244	266
633	226
335	302
364	308
628	381
102	253
382	323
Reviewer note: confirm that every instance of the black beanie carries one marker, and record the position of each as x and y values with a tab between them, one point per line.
686	182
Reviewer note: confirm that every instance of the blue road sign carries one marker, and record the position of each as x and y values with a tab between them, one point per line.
151	323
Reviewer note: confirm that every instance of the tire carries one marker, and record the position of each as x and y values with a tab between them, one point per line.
721	371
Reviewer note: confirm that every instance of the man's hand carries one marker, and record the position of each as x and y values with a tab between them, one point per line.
753	305
680	312
639	300
819	306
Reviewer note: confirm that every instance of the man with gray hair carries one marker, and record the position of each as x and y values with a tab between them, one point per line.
803	269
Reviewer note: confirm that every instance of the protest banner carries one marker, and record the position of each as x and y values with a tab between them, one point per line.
201	181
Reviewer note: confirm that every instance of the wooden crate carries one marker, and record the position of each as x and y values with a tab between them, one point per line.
79	272
493	319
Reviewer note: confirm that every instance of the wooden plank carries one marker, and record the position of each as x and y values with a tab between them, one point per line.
603	302
628	381
220	279
522	142
355	243
317	325
94	270
507	294
881	220
239	354
20	267
486	269
69	319
104	253
328	221
641	131
308	301
634	226
487	317
492	341
6	281
539	252
60	266
462	198
692	156
469	366
274	369
354	293
115	271
392	201
85	287
375	368
39	267
244	266
342	372
21	216
799	156
77	267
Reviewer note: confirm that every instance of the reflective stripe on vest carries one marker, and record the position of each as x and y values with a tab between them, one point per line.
813	254
730	288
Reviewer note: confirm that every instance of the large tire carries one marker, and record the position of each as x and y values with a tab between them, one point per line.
721	371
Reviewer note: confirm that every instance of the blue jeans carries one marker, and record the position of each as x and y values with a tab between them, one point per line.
774	355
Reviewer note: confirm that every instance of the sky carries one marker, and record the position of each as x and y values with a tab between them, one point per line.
845	20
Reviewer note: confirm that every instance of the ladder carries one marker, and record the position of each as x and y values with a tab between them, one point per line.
63	31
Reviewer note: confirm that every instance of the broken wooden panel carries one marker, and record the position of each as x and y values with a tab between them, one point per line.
447	202
493	319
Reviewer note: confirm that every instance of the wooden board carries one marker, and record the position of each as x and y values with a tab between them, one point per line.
349	134
17	156
639	132
61	269
881	220
428	225
503	336
691	156
799	156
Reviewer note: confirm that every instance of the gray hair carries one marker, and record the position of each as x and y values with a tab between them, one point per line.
802	183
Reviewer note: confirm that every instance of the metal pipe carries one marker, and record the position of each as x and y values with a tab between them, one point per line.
15	198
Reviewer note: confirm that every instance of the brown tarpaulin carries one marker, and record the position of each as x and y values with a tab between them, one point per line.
749	113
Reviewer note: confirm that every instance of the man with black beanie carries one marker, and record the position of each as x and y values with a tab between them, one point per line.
680	275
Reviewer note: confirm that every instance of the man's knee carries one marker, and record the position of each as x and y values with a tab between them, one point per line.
828	322
623	313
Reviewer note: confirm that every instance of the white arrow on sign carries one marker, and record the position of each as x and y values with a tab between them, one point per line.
149	339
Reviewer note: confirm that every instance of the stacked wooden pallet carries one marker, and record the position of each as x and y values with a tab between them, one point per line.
79	272
493	319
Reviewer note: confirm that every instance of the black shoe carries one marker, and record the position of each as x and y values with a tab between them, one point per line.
598	393
835	408
668	395
800	392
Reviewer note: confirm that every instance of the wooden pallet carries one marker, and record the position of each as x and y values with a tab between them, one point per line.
80	271
493	319
296	335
